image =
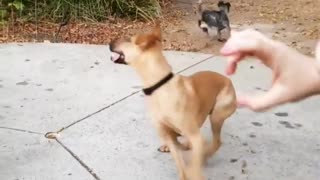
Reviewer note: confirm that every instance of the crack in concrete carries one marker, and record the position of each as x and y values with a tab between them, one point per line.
21	130
100	110
61	144
195	64
79	160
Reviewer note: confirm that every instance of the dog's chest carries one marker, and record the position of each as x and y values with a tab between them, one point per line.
167	110
165	106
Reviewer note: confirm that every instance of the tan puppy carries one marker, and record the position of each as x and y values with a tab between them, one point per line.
179	105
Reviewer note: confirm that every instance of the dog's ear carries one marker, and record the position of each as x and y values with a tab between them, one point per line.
224	6
220	4
146	41
157	31
228	6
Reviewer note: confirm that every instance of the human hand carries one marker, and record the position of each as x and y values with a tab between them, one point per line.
295	76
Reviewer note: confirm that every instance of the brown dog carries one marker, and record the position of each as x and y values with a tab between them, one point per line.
179	105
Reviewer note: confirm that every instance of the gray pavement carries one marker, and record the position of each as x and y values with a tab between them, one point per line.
107	132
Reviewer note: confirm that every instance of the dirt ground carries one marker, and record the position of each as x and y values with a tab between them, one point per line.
295	22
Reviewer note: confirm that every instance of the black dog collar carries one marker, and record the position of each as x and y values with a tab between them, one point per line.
148	91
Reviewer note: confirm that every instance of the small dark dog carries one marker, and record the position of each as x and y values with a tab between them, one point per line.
209	19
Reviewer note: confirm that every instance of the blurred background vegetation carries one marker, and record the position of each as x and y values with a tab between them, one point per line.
80	10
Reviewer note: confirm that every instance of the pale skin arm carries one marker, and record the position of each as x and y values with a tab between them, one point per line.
295	76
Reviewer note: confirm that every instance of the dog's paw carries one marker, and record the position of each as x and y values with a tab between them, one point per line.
222	40
164	149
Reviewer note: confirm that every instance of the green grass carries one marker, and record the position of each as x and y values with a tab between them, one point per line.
85	10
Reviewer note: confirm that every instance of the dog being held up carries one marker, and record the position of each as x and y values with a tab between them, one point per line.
214	19
178	104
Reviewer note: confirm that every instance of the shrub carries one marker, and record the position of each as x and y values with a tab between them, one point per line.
88	10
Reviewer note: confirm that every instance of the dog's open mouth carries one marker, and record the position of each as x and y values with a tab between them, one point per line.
118	57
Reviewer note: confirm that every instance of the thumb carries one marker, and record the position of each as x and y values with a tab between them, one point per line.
275	96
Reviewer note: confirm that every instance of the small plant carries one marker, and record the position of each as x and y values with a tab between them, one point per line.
145	9
83	10
17	5
3	14
10	9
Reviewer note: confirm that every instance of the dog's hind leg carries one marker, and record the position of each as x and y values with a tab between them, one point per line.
216	120
224	108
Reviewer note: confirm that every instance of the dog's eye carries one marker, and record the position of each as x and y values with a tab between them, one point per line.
205	29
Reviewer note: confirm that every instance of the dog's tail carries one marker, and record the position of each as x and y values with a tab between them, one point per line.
224	6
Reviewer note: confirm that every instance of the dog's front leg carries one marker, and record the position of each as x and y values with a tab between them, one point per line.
177	156
220	39
229	31
184	145
194	170
223	110
170	139
219	35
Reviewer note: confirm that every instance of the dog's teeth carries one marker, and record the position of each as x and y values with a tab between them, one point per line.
115	56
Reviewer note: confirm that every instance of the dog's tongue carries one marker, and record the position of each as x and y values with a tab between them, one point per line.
114	56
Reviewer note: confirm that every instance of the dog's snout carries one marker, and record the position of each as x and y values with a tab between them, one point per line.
112	45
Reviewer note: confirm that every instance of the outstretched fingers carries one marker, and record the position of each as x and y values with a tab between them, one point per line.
240	45
275	96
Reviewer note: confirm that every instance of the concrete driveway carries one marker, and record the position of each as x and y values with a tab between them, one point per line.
105	131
